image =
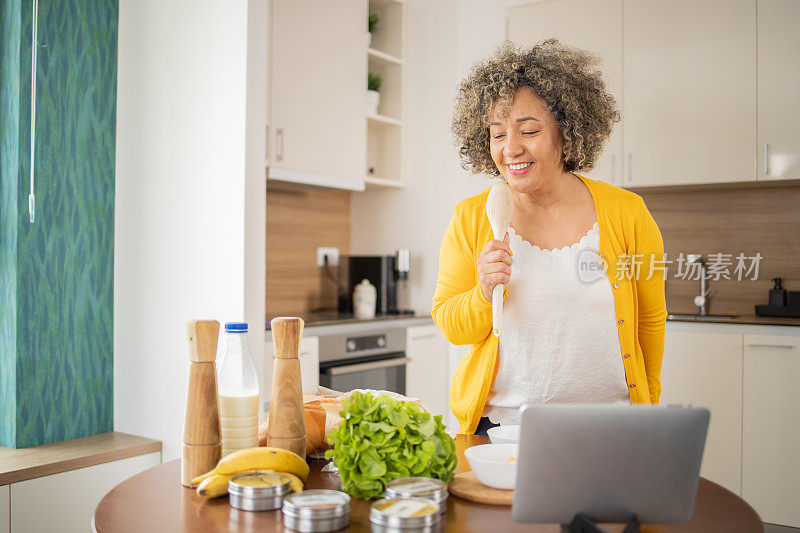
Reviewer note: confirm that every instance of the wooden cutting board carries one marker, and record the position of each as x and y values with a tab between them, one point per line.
466	485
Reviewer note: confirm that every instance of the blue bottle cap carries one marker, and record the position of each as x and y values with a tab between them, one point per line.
236	327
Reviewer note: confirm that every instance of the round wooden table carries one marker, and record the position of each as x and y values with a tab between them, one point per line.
155	501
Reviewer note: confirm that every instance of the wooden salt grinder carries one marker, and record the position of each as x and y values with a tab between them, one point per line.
202	437
287	427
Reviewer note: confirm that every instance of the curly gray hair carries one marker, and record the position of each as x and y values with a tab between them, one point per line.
566	78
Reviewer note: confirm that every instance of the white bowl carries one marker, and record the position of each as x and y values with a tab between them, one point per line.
504	434
495	465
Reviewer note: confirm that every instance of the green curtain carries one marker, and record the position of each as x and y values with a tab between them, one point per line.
57	274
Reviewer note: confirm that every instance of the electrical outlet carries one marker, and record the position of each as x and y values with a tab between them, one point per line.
331	253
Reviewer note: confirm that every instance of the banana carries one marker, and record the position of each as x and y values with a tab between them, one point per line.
213	486
196	481
263	457
295	482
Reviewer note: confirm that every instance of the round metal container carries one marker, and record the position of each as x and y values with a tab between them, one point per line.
258	491
317	510
419	487
397	515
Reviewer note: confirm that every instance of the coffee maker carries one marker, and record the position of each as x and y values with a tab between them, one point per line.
388	273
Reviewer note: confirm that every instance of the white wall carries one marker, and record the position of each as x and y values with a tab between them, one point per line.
444	39
182	177
255	257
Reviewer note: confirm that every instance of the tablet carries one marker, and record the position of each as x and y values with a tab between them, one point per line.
609	462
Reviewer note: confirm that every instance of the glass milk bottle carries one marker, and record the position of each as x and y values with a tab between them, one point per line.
237	384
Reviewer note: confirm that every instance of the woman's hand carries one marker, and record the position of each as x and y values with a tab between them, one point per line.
494	265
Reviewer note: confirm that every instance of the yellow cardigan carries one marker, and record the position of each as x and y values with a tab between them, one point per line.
464	314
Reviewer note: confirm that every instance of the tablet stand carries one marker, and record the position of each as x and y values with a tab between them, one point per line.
583	524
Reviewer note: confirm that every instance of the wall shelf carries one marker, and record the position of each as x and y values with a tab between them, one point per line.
383	121
374	182
385	3
382	58
386	132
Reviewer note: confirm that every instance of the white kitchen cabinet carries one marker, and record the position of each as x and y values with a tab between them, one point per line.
689	91
455	353
317	131
778	89
595	25
5	509
705	370
771	418
426	372
66	502
309	367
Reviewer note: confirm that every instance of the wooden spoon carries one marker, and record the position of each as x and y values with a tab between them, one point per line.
499	206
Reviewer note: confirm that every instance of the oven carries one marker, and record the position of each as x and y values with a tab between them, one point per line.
375	360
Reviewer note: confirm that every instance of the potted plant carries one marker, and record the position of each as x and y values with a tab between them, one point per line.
374	81
372	24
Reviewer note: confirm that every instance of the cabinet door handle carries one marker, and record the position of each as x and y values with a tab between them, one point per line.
279	141
630	165
363	367
423	337
768	345
766	159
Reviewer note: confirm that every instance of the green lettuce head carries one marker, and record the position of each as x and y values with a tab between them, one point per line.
381	439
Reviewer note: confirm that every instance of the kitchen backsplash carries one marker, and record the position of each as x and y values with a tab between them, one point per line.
298	222
753	221
732	222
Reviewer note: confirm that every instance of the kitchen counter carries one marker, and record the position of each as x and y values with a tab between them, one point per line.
332	322
333	318
747	319
37	461
327	318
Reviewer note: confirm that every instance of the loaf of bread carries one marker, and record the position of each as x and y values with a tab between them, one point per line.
320	415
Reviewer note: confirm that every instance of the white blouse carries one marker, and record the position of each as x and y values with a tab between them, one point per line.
559	342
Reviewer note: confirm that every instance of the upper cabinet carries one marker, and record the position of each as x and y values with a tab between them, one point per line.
689	91
778	89
595	25
317	128
709	89
322	130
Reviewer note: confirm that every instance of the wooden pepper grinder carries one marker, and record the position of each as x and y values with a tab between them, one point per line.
202	437
287	427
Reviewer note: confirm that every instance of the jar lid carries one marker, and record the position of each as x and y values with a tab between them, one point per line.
259	485
419	487
365	286
404	512
317	503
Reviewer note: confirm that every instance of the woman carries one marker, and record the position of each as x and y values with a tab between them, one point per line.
584	310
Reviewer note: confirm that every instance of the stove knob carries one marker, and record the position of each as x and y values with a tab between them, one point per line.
351	345
381	342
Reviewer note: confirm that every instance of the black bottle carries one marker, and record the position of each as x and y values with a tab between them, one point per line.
777	295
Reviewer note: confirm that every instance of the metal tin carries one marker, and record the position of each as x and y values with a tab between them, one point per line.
317	510
419	487
391	515
245	494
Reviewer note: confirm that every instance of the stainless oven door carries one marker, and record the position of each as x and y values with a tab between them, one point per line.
384	372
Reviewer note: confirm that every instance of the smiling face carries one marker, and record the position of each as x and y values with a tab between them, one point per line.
526	144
